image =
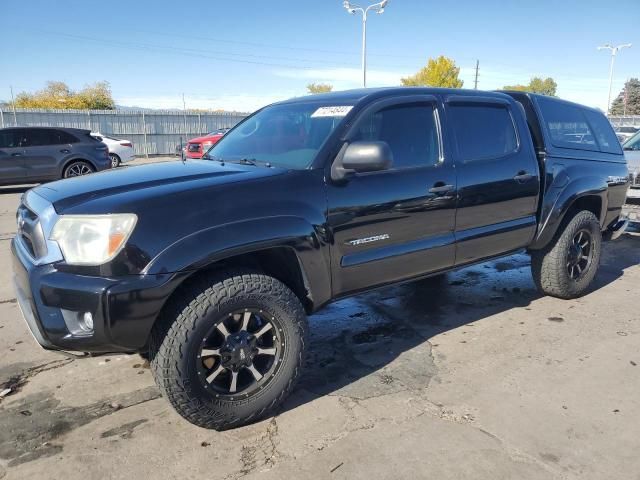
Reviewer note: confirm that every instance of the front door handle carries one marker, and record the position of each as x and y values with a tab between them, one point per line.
64	150
16	154
523	177
440	188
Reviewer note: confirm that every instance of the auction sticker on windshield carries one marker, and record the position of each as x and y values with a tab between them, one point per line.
338	111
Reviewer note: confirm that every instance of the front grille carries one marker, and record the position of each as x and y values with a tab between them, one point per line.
634	180
30	232
194	147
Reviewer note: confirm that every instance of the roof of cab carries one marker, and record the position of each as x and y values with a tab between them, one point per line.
367	94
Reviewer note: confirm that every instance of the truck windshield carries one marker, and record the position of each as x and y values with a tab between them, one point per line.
288	135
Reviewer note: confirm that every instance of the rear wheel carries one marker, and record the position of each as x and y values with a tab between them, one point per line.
229	348
566	268
115	160
78	168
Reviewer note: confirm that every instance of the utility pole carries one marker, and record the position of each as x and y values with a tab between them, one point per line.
614	52
184	112
625	99
476	80
13	104
352	9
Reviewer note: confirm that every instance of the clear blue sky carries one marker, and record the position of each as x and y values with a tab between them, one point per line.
243	54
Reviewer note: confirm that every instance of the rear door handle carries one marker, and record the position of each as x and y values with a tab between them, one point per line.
523	177
439	188
64	150
16	154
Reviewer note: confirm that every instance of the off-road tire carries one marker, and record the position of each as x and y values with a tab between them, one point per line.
192	311
549	265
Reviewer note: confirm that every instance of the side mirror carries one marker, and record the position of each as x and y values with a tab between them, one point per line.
361	157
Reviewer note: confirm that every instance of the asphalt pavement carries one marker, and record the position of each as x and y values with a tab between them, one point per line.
472	375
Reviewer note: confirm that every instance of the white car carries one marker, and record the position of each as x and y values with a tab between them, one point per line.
625	133
120	151
632	154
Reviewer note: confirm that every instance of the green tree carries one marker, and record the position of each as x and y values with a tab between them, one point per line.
630	95
439	72
547	86
314	88
59	95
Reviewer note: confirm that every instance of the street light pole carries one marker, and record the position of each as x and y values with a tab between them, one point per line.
614	52
352	9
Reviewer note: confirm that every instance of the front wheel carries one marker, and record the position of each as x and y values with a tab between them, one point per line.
229	348
566	268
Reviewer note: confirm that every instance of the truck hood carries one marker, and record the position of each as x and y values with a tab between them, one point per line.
147	181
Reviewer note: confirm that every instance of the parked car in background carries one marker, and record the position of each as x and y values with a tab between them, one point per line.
196	147
632	153
41	154
625	133
120	150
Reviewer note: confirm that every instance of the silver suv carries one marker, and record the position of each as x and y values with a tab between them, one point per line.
41	154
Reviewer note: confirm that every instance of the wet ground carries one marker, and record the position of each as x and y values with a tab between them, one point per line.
471	375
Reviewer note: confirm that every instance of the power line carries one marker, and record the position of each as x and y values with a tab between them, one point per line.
222	56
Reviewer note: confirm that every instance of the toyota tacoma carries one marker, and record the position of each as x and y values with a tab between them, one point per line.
211	266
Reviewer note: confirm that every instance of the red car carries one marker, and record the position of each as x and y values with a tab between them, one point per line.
196	147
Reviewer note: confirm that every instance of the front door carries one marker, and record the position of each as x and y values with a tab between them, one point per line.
498	176
398	223
11	156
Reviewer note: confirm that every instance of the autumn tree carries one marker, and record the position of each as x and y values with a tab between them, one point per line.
439	72
58	95
547	86
628	100
314	88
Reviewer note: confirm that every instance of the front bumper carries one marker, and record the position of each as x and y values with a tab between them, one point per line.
124	309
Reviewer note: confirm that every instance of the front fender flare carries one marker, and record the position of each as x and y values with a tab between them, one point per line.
206	247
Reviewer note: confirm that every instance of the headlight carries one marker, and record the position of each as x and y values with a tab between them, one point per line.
92	239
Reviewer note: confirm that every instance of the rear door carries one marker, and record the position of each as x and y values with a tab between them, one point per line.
398	223
498	177
11	156
43	152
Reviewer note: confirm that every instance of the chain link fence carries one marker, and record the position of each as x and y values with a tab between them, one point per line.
625	120
152	132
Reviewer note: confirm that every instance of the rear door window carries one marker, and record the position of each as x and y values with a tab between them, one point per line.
59	137
482	131
36	137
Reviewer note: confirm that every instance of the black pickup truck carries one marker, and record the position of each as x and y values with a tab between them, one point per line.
211	266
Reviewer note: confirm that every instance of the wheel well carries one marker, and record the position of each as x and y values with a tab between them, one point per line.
280	263
591	203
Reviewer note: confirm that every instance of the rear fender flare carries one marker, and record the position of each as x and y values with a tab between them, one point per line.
558	200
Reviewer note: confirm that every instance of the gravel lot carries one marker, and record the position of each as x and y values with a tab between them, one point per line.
474	375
